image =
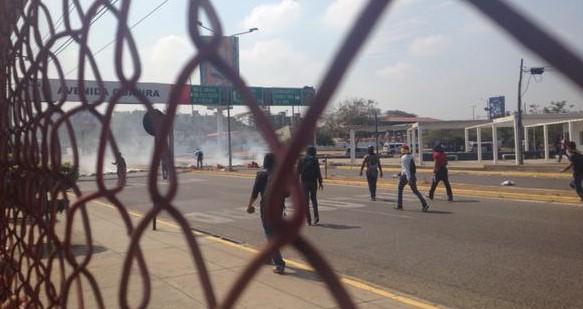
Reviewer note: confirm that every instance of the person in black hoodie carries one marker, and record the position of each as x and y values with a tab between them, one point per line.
259	188
576	163
311	179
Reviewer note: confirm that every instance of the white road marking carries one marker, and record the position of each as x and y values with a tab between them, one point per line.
328	204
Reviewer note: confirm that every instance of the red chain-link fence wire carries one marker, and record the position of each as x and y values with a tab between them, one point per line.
33	181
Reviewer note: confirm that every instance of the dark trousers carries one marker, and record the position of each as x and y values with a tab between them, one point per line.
310	189
371	179
576	184
268	231
164	171
199	163
441	175
121	178
413	185
562	152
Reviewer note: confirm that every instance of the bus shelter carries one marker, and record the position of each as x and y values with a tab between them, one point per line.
572	127
415	131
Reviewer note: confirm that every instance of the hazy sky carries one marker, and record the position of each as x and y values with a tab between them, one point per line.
435	58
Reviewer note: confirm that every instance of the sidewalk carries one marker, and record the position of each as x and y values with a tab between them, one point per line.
174	278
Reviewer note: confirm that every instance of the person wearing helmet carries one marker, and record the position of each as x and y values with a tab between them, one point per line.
373	168
407	176
440	173
311	179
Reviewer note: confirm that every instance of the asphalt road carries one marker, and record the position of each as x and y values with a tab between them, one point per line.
480	178
472	253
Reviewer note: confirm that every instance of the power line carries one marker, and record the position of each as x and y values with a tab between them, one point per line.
134	25
100	13
59	22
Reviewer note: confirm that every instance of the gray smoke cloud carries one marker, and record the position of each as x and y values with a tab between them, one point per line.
137	146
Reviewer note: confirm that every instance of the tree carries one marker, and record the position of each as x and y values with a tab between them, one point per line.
324	137
399	113
350	114
559	107
533	108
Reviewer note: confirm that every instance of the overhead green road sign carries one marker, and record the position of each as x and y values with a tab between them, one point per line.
205	95
257	93
286	96
224	95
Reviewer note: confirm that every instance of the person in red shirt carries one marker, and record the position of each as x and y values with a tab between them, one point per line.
440	173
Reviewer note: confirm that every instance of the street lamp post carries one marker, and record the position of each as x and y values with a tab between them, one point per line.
200	24
519	116
532	71
376	131
245	32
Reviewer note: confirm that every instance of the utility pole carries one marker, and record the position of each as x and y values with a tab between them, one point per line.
519	116
376	131
229	135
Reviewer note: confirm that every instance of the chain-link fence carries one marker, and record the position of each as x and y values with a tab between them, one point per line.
38	266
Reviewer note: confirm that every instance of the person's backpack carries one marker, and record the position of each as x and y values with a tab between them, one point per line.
309	168
373	162
413	167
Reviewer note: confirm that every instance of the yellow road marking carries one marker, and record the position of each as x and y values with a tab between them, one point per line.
534	194
474	172
352	282
387	294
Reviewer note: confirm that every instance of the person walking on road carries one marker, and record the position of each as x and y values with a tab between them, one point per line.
563	148
576	164
198	155
440	173
407	176
259	188
373	168
311	179
121	169
164	164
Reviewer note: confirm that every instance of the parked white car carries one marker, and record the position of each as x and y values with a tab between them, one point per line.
392	148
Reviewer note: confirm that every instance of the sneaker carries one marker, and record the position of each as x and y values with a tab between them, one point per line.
425	207
373	198
450	199
398	207
429	196
317	220
309	222
279	270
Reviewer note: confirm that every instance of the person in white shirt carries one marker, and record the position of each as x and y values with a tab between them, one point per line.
407	176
